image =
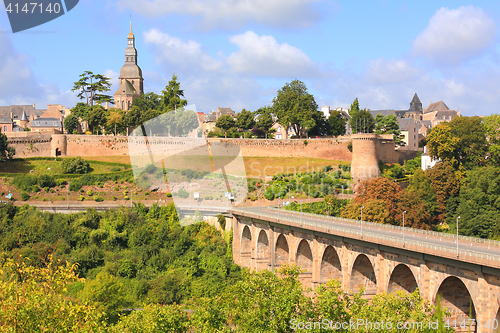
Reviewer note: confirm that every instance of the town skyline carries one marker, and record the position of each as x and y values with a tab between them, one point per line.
239	57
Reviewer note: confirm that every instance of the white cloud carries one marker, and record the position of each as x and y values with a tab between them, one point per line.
382	71
187	55
231	14
263	56
17	82
455	35
113	80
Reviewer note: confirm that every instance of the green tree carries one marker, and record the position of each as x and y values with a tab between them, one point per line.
75	166
34	299
245	120
71	123
294	107
276	296
107	292
442	144
114	121
417	214
172	96
80	110
472	145
388	125
362	122
154	319
479	203
337	123
265	119
225	123
445	185
96	118
321	125
6	151
148	101
421	185
90	86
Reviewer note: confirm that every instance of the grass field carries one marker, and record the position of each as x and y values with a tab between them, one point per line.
51	166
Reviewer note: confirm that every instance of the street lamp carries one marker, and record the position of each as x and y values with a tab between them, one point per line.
404	228
457	236
300	211
328	211
362	221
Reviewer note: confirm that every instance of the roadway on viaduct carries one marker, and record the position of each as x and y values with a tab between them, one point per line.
380	258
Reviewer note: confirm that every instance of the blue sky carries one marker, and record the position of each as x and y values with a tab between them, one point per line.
238	53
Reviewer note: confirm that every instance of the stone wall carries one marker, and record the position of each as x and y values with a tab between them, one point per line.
35	144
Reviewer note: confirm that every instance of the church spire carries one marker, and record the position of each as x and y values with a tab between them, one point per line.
131	24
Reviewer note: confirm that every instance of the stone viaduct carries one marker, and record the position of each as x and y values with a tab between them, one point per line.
467	285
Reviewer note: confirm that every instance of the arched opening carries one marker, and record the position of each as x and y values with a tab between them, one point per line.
304	260
402	279
123	105
304	256
281	251
262	250
58	152
363	275
456	298
246	247
330	265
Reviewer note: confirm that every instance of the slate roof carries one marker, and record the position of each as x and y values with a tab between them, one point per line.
374	113
415	104
4	119
17	111
46	122
436	106
405	123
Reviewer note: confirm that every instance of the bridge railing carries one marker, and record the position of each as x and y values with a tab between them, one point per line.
332	227
399	228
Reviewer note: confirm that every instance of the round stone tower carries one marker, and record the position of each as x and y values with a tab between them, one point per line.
58	145
364	164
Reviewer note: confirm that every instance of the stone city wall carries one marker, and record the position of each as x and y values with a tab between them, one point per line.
30	144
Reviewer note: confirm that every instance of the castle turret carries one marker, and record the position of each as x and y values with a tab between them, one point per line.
364	164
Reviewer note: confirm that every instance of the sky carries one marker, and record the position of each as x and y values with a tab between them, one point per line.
239	53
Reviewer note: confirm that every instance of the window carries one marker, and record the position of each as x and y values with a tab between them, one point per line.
5	128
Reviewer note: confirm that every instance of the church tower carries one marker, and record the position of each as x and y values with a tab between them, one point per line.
131	81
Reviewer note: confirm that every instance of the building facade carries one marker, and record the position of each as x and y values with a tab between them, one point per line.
131	81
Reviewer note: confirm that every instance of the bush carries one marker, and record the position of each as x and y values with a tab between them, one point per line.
24	196
46	181
169	195
90	193
35	188
115	169
99	199
75	166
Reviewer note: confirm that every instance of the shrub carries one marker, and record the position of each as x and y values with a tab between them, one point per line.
99	199
46	181
115	198
75	166
52	190
24	196
81	198
169	195
115	169
90	193
34	188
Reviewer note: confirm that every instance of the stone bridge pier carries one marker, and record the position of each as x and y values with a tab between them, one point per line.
465	289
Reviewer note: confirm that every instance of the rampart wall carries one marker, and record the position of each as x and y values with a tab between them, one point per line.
34	145
368	149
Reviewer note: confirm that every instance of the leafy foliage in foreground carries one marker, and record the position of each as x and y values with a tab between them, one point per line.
139	255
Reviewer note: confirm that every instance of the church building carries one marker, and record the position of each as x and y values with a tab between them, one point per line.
131	81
